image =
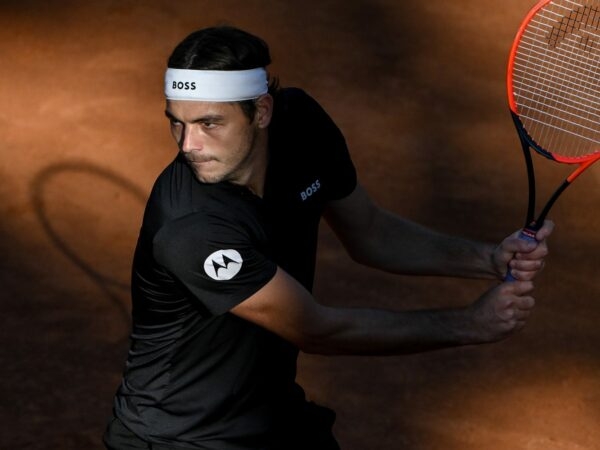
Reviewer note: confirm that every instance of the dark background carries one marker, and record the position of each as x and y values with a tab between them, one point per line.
418	89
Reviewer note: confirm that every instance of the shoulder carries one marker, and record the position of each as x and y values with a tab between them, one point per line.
210	228
178	201
307	142
298	114
177	193
293	100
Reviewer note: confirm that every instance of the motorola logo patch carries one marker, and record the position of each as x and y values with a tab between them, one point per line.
223	265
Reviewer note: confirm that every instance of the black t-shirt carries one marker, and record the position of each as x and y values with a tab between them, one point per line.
196	374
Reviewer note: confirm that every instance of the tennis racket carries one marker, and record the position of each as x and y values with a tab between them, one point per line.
553	83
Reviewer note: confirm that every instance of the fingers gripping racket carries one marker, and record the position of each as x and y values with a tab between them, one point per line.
553	83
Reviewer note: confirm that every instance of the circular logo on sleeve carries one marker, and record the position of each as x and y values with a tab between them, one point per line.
223	265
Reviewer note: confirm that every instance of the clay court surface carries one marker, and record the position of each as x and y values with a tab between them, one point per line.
418	89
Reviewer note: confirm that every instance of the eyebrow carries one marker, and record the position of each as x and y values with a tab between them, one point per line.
203	119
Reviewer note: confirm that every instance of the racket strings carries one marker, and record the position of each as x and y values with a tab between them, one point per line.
556	78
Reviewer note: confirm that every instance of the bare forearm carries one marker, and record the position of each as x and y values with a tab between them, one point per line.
498	313
375	237
381	332
284	307
400	246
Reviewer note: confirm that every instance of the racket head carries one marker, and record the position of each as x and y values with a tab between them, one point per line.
553	80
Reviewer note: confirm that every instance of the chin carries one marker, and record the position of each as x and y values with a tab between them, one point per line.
208	178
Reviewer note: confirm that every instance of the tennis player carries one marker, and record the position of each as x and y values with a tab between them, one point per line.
224	265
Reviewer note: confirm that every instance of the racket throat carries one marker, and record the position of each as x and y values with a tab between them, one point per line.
540	220
529	221
535	225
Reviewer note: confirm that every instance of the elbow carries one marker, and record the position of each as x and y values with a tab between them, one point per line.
315	347
362	254
319	348
312	343
324	338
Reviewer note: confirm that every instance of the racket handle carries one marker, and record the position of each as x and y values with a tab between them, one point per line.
526	234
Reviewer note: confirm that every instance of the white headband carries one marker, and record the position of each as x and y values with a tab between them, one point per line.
215	85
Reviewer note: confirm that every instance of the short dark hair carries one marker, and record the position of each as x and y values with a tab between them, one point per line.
223	48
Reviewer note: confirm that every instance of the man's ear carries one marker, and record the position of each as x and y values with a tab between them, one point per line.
264	110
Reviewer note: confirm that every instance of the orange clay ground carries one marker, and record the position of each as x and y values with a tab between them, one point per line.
418	89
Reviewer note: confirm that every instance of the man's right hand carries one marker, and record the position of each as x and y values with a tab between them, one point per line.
501	311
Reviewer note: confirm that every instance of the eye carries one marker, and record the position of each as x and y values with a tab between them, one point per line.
209	125
175	123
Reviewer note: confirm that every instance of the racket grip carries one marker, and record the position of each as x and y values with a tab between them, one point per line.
526	234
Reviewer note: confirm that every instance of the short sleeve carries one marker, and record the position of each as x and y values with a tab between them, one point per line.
219	261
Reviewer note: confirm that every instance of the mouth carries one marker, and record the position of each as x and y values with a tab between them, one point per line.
199	160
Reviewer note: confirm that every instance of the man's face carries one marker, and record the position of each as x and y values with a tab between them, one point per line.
216	139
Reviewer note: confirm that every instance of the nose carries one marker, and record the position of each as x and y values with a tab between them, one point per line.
189	140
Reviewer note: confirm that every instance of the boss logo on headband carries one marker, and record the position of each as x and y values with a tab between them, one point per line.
184	85
215	85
